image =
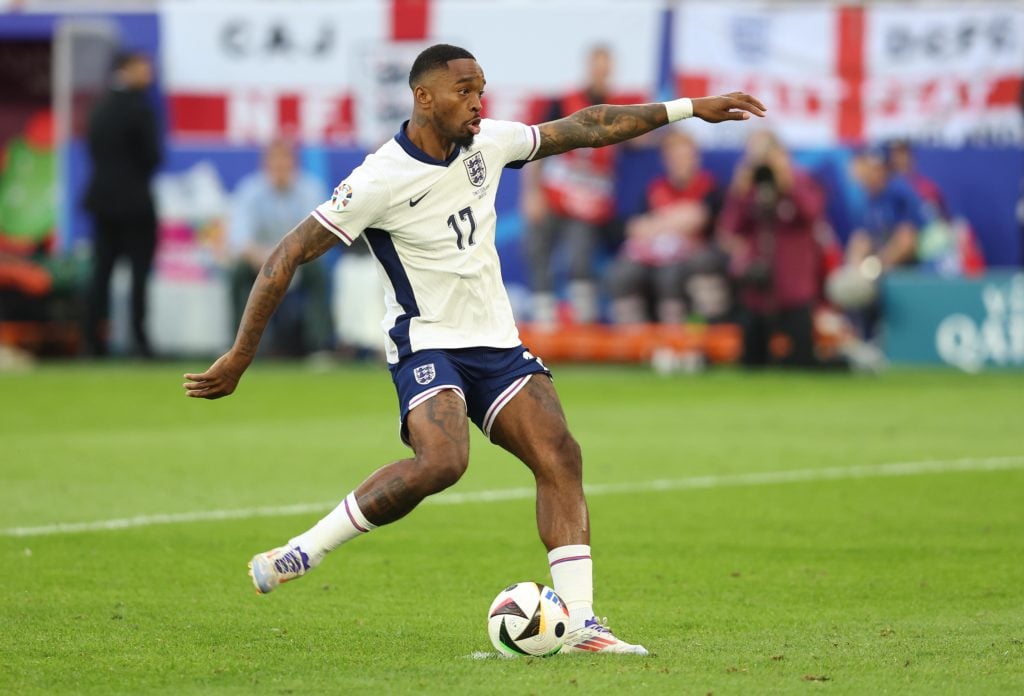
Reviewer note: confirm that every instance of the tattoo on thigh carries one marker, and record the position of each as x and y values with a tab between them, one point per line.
544	394
449	415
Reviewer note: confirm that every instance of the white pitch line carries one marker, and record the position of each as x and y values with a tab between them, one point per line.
764	478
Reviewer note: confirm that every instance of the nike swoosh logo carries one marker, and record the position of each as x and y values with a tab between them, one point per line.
414	201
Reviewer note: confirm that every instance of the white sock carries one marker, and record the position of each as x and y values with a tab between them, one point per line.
572	572
341	524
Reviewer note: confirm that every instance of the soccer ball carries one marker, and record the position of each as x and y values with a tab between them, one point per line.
527	619
853	287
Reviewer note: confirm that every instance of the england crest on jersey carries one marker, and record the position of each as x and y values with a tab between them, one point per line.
424	374
476	169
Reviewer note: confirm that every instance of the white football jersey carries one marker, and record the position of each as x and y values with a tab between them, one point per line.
431	226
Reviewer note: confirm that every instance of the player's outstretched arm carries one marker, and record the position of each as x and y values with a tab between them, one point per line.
307	241
606	124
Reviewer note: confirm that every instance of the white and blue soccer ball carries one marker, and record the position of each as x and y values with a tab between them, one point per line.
527	619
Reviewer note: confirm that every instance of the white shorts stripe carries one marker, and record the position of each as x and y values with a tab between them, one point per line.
499	403
424	396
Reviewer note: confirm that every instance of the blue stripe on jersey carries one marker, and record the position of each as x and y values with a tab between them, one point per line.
416	153
384	249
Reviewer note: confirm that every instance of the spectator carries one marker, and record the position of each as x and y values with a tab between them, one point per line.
266	202
885	238
669	244
571	198
27	218
891	218
900	157
124	145
945	244
769	226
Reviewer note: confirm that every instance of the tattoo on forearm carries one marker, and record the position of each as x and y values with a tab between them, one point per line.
307	241
597	126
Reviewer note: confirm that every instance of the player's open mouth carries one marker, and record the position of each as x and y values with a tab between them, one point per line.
474	126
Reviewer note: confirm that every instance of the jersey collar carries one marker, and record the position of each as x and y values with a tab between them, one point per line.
418	154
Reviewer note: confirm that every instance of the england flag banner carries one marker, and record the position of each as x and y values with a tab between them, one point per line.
947	74
245	72
332	72
783	54
835	74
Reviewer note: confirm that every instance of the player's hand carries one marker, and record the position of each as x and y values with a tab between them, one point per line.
220	380
735	106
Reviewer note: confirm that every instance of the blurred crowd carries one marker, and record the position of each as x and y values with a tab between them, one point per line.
756	250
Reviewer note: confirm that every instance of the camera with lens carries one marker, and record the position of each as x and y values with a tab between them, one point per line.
765	203
766	191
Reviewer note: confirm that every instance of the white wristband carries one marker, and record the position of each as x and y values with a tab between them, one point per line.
678	109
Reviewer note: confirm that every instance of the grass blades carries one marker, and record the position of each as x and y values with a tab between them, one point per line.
878	583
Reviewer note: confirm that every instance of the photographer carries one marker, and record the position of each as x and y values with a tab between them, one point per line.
768	226
667	262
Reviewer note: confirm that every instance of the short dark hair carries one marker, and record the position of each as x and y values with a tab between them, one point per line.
122	59
437	56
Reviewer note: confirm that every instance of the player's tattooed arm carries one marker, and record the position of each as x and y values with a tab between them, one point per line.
306	242
605	124
597	126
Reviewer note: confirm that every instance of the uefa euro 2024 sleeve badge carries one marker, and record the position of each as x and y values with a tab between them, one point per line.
476	169
342	195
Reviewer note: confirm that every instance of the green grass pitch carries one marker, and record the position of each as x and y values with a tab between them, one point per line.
847	576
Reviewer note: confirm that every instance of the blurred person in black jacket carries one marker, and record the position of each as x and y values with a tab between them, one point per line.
124	145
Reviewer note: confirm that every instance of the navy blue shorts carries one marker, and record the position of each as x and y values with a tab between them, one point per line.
485	378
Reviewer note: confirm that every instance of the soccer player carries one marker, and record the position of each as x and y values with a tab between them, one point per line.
424	203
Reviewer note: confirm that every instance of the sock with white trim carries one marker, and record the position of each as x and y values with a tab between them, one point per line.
572	572
341	524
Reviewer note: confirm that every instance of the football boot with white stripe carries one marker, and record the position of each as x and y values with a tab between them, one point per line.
595	637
